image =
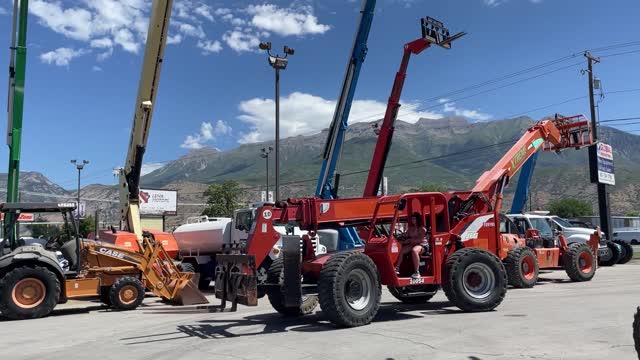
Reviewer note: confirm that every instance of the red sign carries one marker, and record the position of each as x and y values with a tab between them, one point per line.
22	217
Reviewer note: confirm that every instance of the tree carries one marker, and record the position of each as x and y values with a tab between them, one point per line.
43	230
570	208
429	187
86	226
222	199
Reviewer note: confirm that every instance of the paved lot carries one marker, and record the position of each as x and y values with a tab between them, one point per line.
555	320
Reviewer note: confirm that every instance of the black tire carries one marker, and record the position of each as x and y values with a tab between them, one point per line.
636	331
127	293
472	265
615	255
275	275
39	278
345	280
404	293
579	262
105	295
186	267
627	251
522	267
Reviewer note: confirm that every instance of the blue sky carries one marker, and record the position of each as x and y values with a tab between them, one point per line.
216	89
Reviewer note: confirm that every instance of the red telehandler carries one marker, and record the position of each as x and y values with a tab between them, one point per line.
465	243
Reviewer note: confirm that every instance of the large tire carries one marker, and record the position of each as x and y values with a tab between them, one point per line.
275	275
522	267
404	293
615	255
636	331
474	280
579	262
126	293
627	251
28	292
349	289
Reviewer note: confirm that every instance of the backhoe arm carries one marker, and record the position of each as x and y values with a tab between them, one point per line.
147	90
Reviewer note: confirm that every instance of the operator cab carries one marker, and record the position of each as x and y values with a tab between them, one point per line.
51	226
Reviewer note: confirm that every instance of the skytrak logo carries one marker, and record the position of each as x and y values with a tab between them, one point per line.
519	157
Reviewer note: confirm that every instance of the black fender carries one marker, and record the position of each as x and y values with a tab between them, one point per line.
36	255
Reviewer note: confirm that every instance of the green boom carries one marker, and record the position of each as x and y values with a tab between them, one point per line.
16	99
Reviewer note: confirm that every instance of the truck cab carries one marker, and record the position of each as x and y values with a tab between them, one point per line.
550	226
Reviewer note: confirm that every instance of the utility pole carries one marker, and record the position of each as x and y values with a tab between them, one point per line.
603	198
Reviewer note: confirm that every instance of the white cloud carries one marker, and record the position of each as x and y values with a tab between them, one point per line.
96	68
450	107
222	128
73	23
494	3
191	30
207	133
148	168
3	11
175	39
112	24
60	56
287	21
101	43
239	41
204	10
209	47
307	114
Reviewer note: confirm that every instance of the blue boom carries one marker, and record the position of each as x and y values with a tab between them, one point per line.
524	182
326	188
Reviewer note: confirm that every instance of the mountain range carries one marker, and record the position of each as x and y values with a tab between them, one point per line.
451	152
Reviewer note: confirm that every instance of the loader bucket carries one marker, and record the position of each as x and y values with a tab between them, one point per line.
236	279
189	294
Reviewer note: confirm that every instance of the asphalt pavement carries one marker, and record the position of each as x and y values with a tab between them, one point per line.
557	319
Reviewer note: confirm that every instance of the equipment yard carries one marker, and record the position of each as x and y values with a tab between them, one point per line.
559	319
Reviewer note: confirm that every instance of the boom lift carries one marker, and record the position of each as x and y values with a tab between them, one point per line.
348	237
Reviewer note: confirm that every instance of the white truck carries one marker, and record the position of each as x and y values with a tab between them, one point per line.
202	237
609	253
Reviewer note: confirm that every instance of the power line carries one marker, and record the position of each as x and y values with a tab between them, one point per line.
621	119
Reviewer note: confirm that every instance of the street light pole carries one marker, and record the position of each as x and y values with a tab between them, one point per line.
79	166
278	63
265	155
277	193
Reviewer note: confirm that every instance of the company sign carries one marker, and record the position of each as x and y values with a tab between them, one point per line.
605	164
22	217
158	202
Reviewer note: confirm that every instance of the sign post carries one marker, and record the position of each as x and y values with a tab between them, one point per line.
158	202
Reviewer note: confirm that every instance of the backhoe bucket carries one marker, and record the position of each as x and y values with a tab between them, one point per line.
236	279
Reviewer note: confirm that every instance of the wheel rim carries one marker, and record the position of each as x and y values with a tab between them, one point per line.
128	294
358	289
478	280
585	262
28	293
528	268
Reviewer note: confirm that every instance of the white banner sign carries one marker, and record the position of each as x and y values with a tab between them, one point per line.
158	202
605	164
